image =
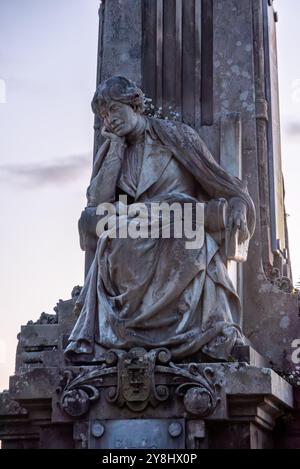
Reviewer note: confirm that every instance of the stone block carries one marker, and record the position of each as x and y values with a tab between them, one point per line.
34	337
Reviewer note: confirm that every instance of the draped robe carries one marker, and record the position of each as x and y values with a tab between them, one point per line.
154	292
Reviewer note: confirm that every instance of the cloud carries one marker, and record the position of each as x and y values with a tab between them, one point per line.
293	128
59	171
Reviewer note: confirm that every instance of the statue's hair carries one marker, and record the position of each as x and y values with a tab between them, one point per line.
119	89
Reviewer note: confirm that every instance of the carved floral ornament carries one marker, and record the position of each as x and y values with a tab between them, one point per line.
136	379
283	283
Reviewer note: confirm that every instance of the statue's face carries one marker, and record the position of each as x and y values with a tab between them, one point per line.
119	118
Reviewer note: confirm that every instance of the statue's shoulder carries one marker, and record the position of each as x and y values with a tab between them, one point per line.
181	136
175	129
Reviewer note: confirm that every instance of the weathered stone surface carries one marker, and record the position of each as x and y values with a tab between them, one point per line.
37	383
35	337
138	434
254	396
10	407
287	433
121	46
271	333
247	354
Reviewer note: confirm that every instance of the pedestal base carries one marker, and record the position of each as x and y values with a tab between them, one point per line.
137	398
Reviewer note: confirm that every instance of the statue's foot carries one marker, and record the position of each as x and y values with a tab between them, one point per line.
221	346
83	352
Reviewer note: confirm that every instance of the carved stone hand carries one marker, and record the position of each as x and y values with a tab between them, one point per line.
110	135
237	220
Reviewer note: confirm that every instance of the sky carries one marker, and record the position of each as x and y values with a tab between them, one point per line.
47	78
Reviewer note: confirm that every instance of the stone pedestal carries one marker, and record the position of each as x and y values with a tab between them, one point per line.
288	430
136	399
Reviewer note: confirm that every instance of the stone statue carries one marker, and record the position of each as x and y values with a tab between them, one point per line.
147	292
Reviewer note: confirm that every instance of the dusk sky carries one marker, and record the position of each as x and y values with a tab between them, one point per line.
48	54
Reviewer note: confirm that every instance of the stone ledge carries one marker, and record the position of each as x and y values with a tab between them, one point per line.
250	398
234	380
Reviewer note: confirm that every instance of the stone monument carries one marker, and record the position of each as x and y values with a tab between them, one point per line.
169	345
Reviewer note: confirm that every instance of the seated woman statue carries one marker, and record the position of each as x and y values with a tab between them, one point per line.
153	293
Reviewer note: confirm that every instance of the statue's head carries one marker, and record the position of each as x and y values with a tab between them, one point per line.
120	103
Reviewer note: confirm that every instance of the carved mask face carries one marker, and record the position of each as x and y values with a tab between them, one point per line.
119	118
